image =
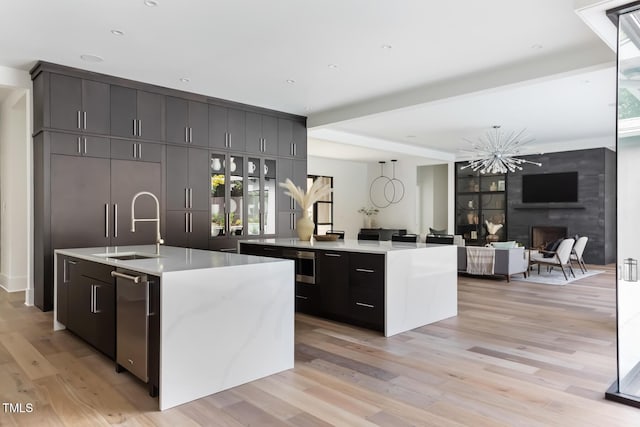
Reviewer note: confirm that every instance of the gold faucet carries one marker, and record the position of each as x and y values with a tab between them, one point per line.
159	240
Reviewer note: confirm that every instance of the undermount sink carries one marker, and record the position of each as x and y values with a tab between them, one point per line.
127	256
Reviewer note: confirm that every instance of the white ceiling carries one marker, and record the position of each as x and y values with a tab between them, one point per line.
453	69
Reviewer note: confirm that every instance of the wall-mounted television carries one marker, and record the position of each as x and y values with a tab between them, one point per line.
550	187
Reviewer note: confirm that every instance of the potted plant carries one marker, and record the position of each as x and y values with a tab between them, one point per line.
368	213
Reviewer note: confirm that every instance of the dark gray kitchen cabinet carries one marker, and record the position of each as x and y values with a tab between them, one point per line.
67	268
91	305
78	104
187	122
332	276
188	179
188	229
292	139
128	178
137	113
227	128
80	145
126	149
262	133
296	171
80	210
366	289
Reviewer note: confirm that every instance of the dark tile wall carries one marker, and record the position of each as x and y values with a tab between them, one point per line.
595	213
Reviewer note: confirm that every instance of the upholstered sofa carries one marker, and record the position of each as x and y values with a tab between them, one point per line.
507	261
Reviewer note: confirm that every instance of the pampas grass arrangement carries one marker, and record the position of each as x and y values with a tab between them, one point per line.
306	199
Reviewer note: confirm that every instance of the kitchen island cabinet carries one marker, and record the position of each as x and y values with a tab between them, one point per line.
387	286
215	321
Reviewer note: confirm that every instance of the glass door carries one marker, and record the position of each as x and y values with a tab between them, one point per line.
218	195
236	196
253	197
269	189
627	388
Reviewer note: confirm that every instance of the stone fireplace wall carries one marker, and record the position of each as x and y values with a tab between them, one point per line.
594	215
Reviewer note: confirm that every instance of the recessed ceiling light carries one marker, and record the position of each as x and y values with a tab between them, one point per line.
536	46
291	81
117	32
150	3
334	66
386	46
91	58
184	80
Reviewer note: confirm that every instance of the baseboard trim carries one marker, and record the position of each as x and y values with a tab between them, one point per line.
13	283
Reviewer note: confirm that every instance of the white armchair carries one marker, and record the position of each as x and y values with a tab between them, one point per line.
559	258
577	251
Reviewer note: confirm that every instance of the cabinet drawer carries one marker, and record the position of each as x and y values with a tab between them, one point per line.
133	150
77	145
95	270
370	262
367	308
307	298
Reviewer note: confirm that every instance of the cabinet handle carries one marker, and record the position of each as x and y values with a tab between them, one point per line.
295	149
78	120
186	222
91	300
190	198
301	297
228	139
291	149
190	222
79	149
365	270
106	220
264	145
85	145
134	279
227	250
262	225
84	120
186	134
115	220
186	197
135	151
140	151
95	299
190	134
334	255
65	269
362	304
146	300
139	127
226	223
135	127
267	249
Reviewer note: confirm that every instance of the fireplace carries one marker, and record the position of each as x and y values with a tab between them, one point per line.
541	235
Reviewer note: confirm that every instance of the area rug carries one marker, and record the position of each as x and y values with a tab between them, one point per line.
554	277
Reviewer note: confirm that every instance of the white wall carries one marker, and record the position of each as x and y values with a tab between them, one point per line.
433	197
16	195
350	193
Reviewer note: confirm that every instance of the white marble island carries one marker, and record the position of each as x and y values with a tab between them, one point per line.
389	286
224	319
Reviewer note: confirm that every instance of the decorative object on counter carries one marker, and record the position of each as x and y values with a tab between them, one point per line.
326	237
496	152
305	226
368	213
385	191
492	229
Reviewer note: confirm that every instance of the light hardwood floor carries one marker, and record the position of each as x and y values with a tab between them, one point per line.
516	355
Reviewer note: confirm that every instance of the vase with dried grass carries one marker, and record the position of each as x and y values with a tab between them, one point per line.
318	190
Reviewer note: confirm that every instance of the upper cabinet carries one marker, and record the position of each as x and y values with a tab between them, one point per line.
292	139
77	104
262	134
137	114
187	122
226	128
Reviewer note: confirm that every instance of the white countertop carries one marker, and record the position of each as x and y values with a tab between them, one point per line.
170	259
368	246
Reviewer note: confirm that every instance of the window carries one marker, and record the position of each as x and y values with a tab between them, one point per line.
322	211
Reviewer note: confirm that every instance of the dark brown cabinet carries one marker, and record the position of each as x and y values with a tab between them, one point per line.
77	104
288	210
366	289
80	145
262	134
332	276
137	114
292	138
91	305
126	149
188	229
187	122
227	128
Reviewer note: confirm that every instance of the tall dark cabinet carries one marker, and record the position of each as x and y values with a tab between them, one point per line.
98	140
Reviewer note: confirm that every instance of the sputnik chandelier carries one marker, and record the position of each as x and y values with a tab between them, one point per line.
496	152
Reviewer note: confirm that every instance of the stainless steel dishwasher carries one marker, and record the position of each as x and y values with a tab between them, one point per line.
132	322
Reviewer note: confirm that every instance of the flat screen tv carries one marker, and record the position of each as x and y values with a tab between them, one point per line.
550	187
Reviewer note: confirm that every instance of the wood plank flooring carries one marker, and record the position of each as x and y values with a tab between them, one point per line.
517	354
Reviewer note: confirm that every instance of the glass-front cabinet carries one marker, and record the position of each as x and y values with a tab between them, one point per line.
243	191
480	206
